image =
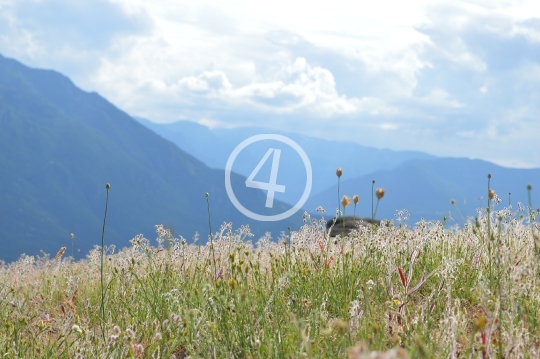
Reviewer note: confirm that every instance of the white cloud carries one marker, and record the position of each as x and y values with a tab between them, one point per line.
440	98
438	71
388	126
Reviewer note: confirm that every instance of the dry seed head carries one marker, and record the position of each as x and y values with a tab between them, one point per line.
379	193
345	201
491	194
107	186
72	235
355	199
529	187
339	172
60	253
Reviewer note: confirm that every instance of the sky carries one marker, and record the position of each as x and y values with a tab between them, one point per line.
450	78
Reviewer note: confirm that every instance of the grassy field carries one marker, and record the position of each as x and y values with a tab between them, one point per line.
394	291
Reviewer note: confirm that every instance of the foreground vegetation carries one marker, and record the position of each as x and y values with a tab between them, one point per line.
388	292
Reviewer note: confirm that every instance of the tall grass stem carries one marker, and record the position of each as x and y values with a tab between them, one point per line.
210	236
102	305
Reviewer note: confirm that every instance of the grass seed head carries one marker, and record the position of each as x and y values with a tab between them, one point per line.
355	199
379	193
345	201
339	172
60	253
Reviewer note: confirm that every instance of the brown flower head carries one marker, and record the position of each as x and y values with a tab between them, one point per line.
339	172
345	201
491	194
355	199
379	193
60	253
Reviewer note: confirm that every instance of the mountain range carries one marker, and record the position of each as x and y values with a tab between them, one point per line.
422	184
325	155
60	145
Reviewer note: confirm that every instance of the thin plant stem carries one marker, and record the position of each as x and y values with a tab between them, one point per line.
210	236
489	208
529	190
376	208
102	306
457	209
338	198
372	213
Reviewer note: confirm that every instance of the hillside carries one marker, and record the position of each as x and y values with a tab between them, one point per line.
59	145
426	187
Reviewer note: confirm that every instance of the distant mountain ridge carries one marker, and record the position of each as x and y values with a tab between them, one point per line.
421	183
325	155
59	146
425	188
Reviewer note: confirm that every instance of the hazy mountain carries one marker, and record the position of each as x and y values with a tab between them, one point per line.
59	146
426	187
213	147
421	183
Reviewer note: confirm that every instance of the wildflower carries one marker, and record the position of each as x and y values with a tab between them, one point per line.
370	283
72	235
379	193
491	194
158	336
76	328
116	330
130	333
480	323
355	199
138	349
320	209
345	201
339	172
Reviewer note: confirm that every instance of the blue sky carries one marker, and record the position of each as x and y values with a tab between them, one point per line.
451	78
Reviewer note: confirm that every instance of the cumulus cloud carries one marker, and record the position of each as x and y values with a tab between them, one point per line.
297	87
447	77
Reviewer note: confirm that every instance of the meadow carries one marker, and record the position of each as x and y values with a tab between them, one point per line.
397	290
